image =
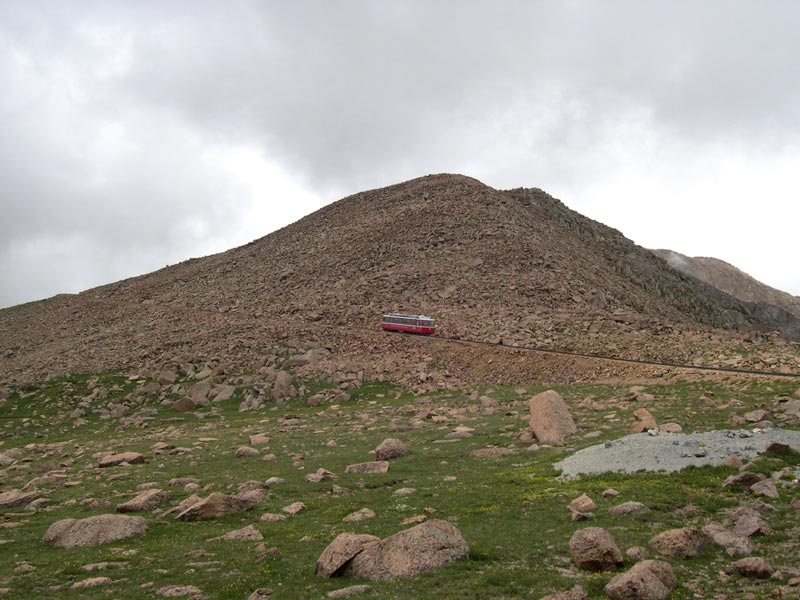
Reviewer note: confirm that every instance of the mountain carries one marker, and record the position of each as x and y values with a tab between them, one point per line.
731	280
514	266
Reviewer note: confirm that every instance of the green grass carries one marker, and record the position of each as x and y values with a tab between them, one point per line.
512	510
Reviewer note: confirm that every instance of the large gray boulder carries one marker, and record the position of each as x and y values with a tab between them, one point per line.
93	531
550	419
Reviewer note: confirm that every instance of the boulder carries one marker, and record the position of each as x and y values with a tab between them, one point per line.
646	580
112	460
390	448
215	506
754	567
550	419
282	388
747	522
582	504
147	500
15	497
245	451
93	531
765	488
340	551
249	533
734	543
685	542
359	515
594	548
184	404
425	547
745	479
644	421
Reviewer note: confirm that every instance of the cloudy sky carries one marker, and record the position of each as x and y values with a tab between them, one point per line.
138	134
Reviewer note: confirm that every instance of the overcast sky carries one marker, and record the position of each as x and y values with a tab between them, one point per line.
138	134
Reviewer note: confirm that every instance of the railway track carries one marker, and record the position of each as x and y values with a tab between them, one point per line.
636	361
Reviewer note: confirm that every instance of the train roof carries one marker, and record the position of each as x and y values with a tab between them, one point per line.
405	316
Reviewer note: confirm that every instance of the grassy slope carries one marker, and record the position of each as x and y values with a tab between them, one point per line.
511	510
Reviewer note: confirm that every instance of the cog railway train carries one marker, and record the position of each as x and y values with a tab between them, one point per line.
419	324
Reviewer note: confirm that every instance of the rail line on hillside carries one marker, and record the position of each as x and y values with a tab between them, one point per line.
617	358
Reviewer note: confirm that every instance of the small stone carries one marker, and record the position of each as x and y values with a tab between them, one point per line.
244	451
629	508
178	591
349	591
359	515
294	508
90	582
272	517
404	492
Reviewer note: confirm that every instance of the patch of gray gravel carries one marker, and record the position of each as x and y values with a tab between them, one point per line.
671	452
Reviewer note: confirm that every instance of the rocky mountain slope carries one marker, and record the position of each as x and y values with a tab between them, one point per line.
513	266
731	280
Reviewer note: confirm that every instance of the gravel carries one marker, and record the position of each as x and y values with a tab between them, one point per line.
671	452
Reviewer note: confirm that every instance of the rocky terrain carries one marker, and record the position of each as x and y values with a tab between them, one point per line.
731	280
514	266
195	483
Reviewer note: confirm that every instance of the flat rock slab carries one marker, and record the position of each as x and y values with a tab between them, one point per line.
670	452
378	466
93	531
112	460
13	498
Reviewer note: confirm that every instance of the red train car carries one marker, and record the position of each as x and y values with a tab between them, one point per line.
419	324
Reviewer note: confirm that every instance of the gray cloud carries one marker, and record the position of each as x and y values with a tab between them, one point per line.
117	116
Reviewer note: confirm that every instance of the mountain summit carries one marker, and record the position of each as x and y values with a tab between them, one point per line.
514	266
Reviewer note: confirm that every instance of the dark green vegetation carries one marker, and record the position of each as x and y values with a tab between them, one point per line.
511	510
